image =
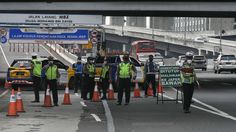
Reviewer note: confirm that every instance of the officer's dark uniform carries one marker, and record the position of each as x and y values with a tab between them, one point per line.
89	75
124	75
37	68
78	67
52	74
105	77
150	70
188	79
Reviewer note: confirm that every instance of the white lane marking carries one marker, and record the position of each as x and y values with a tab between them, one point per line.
83	104
48	51
206	105
209	111
4	56
110	123
4	93
96	117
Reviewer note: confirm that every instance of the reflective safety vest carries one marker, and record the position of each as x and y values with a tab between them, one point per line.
91	70
37	67
51	72
187	74
125	70
105	69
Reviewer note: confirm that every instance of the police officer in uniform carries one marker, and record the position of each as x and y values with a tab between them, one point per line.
105	78
124	75
188	80
78	68
150	70
37	68
89	75
52	74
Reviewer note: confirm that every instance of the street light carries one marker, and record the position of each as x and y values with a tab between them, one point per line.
222	31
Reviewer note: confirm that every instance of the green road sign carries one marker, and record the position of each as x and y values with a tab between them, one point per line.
170	76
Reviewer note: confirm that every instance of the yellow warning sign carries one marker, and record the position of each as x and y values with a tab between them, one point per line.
87	46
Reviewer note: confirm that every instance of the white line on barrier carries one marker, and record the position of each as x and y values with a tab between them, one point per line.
48	51
4	56
110	123
83	104
96	117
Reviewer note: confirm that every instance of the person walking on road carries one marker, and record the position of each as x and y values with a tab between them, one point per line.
78	68
124	76
89	75
36	70
52	74
105	78
188	80
150	70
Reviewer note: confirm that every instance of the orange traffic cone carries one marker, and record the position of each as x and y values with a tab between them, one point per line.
12	105
150	91
96	97
19	102
47	99
159	88
66	100
136	90
111	93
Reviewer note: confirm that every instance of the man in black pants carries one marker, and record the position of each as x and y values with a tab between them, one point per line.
52	74
188	79
150	70
105	78
78	68
124	75
37	68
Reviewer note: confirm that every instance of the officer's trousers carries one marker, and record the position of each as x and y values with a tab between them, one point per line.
78	83
150	78
188	94
89	87
37	84
124	83
53	86
105	85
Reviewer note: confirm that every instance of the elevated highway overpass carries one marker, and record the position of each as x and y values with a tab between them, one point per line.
171	40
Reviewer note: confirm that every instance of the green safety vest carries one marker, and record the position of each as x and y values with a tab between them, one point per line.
104	71
51	72
91	70
37	67
187	77
125	71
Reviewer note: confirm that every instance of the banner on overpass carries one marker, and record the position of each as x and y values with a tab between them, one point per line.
170	76
50	19
79	36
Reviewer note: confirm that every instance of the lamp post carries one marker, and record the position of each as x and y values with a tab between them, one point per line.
222	31
152	28
123	24
185	30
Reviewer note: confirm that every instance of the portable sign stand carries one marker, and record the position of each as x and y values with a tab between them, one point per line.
169	76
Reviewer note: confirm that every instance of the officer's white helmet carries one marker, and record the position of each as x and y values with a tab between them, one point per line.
34	54
189	55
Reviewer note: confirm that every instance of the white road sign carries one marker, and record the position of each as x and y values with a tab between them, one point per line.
50	19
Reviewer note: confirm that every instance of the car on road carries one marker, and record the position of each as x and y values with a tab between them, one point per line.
200	62
201	39
225	63
19	72
159	61
180	60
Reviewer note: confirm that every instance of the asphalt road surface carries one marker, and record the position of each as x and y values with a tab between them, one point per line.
213	110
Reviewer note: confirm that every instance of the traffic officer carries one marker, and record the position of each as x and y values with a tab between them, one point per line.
89	75
78	68
36	70
105	78
150	70
52	74
188	80
124	75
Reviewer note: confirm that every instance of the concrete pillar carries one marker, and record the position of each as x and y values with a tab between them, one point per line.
166	52
108	20
125	20
148	22
124	48
199	51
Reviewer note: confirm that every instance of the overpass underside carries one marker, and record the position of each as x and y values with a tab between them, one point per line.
106	8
